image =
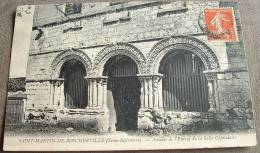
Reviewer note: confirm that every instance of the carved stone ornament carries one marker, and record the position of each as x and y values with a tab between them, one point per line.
117	49
210	75
192	44
66	56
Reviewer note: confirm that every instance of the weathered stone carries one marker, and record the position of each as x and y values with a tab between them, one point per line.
145	34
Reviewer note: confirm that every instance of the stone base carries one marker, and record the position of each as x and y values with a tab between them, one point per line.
149	118
170	122
94	120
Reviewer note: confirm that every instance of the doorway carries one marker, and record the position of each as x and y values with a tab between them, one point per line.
75	86
123	92
184	83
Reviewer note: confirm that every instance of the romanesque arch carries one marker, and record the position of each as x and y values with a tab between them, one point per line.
117	49
195	46
65	56
192	44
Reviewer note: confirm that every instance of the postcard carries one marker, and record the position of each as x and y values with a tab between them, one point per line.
137	75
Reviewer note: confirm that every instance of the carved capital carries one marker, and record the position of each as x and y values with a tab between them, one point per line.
211	75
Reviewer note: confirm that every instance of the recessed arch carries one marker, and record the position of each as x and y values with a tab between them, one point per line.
123	92
75	86
185	86
191	44
118	49
65	56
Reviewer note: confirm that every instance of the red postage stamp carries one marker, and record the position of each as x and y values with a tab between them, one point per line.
220	24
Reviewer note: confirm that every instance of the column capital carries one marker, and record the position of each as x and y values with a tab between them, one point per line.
211	75
150	76
95	77
57	81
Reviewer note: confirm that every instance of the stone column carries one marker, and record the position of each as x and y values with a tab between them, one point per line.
146	94
142	99
51	93
212	89
104	85
97	104
151	99
62	96
57	92
157	87
97	92
151	91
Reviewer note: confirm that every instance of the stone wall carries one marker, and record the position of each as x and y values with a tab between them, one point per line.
234	89
97	121
142	25
38	93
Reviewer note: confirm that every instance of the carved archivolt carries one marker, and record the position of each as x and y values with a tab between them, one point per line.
181	43
117	49
65	56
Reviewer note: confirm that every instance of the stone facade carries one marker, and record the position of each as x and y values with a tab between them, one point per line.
143	31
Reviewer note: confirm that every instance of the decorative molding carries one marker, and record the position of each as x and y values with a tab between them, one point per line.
192	44
72	29
66	56
44	80
172	11
117	49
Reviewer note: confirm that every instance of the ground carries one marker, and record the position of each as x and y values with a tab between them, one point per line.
43	129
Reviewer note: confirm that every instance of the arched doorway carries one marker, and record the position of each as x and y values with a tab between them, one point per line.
123	92
75	86
184	83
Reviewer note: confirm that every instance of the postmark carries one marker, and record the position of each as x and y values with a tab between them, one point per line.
220	24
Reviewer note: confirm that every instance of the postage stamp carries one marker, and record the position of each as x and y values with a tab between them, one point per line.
220	24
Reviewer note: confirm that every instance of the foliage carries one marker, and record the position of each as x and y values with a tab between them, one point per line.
16	84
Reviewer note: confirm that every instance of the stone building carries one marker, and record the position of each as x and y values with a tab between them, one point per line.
124	66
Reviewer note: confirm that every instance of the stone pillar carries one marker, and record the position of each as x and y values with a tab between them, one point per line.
51	93
62	96
212	89
146	94
151	90
100	92
157	87
97	92
97	101
95	95
151	99
104	85
142	99
90	92
57	92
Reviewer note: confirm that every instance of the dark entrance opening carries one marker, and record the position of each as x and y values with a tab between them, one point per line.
124	87
75	86
184	84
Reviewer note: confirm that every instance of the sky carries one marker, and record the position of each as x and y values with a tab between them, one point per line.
21	41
